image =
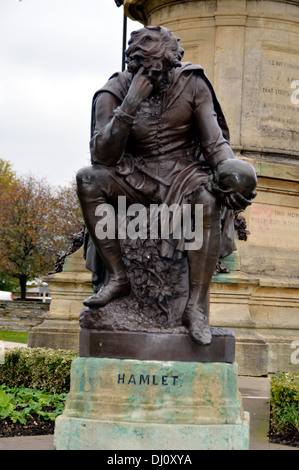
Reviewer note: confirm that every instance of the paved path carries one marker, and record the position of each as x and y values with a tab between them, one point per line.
11	345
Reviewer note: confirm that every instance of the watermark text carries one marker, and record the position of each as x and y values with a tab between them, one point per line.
295	354
136	221
295	94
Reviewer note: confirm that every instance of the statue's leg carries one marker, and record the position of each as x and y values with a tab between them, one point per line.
202	263
99	185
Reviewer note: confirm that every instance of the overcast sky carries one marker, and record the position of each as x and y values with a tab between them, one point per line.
54	54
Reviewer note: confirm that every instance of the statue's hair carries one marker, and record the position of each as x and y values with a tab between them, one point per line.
150	46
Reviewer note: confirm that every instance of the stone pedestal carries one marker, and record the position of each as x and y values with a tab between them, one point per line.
60	328
160	346
129	404
263	313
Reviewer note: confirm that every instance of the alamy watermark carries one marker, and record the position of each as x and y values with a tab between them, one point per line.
295	354
159	220
295	94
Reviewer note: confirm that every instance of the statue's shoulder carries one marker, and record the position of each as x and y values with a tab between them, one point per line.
118	85
189	67
193	69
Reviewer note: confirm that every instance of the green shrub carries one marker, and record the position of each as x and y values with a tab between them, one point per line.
40	368
285	403
20	403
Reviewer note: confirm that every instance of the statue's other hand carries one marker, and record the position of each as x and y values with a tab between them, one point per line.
236	201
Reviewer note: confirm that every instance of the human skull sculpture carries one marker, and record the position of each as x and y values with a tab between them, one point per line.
235	181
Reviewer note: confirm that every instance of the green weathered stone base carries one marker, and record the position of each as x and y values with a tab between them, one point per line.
90	434
117	404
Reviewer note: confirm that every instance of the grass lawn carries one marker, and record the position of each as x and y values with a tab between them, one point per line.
14	336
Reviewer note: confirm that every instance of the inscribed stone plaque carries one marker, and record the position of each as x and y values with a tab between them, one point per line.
274	226
278	113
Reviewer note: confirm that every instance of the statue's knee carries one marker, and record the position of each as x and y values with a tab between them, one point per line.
81	176
86	179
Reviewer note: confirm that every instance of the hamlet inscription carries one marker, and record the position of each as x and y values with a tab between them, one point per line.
274	226
146	379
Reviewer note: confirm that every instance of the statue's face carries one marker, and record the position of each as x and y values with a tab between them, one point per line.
161	79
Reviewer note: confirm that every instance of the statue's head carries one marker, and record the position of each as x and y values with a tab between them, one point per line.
153	47
158	51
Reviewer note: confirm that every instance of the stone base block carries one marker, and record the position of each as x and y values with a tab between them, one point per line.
134	404
91	434
55	334
157	346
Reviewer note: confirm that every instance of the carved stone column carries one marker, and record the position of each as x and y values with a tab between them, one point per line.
249	50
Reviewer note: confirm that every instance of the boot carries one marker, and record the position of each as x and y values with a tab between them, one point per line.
195	317
202	263
90	193
118	285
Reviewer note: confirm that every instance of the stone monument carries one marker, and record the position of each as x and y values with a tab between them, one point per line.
152	372
249	50
257	85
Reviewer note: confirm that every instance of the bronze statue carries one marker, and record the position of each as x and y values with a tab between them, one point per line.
159	136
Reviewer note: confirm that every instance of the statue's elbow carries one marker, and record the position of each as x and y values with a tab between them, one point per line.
102	151
94	152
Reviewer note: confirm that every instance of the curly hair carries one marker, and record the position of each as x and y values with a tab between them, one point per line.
150	46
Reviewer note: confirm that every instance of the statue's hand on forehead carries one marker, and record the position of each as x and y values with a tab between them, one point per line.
140	89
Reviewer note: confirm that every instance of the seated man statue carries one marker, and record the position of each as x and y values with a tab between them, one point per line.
159	136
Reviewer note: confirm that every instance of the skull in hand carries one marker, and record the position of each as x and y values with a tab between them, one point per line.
235	182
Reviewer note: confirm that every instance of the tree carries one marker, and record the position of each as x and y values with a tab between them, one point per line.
36	221
7	175
69	215
7	180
